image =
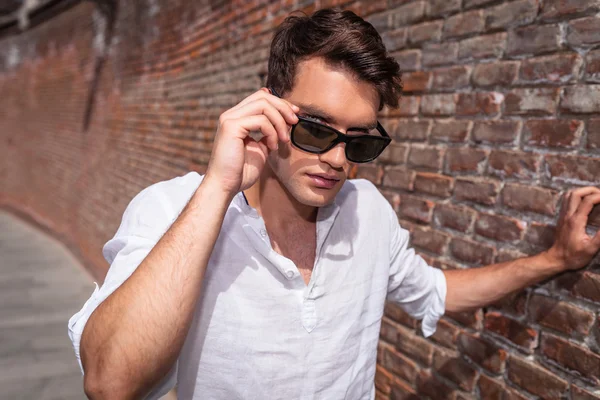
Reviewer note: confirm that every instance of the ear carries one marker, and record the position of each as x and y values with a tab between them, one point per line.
266	90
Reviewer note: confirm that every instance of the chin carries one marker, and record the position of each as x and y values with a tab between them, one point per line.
315	197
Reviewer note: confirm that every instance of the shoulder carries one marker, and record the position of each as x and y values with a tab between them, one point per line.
157	206
363	192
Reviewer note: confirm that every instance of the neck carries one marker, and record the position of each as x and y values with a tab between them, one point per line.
275	204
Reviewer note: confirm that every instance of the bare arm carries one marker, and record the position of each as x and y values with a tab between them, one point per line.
573	249
168	279
134	337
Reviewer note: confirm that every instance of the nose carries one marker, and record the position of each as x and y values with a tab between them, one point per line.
336	157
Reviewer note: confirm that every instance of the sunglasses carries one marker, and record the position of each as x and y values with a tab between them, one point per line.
317	138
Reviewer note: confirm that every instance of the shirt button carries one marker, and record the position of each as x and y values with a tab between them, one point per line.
290	274
263	232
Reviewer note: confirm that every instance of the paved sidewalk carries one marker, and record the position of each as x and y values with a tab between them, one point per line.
41	286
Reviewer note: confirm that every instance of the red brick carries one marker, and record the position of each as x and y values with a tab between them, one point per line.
514	164
578	393
504	132
389	331
426	32
394	40
466	160
408	106
482	352
451	78
400	365
381	21
450	130
572	357
500	73
476	3
552	133
581	99
532	101
408	13
451	366
399	178
491	389
559	68
415	209
446	334
436	8
439	54
415	347
429	240
457	218
577	168
425	157
513	303
429	385
434	184
513	330
486	46
478	191
533	39
582	284
371	172
412	130
559	315
479	103
408	60
417	81
499	228
511	14
593	138
584	31
395	154
592	70
530	198
539	237
438	104
553	9
383	380
464	24
469	319
471	252
536	379
396	313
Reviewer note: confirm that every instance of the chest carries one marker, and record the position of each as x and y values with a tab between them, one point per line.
300	247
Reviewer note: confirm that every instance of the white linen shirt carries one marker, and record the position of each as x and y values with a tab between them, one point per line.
259	332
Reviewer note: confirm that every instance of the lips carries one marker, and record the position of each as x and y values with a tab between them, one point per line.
324	181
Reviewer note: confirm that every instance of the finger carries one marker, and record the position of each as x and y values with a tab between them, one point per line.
263	124
264	93
586	205
280	121
576	196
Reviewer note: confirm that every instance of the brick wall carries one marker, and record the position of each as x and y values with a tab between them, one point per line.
501	115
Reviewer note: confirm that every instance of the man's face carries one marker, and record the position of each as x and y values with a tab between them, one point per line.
336	98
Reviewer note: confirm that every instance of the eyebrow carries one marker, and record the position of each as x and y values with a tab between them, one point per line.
321	114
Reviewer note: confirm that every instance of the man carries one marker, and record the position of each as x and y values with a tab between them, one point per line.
266	278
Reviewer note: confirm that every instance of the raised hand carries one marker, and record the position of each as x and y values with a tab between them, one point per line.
237	159
573	246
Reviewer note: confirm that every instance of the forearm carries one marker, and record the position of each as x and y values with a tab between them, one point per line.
134	337
476	287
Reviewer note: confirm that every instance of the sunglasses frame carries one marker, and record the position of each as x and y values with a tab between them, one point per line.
340	137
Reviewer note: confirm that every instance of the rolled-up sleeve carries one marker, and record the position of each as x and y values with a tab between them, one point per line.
144	222
419	288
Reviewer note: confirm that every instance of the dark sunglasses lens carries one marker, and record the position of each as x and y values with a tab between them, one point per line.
312	137
364	149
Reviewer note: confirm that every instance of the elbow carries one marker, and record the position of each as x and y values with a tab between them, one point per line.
97	388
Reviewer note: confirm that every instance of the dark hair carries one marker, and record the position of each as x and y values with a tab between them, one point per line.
343	39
